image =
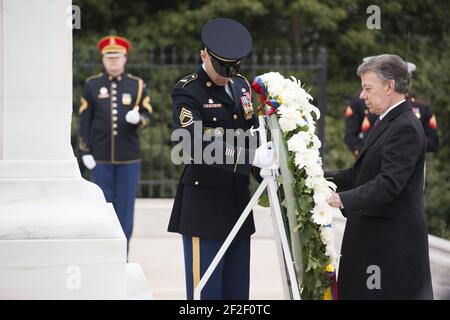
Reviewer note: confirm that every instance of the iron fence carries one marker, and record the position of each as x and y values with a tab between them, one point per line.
161	69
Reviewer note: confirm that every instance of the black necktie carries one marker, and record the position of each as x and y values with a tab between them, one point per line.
376	122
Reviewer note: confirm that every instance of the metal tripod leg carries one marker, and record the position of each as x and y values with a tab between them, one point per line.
282	238
269	182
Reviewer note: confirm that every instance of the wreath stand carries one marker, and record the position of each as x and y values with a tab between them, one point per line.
287	265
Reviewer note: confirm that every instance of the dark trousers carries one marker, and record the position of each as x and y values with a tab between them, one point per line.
231	278
119	184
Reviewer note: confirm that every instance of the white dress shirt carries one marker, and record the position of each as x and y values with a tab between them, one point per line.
390	108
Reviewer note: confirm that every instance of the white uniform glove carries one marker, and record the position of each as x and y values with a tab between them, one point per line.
264	156
133	116
89	161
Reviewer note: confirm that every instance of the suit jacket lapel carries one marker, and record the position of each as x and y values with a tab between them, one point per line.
383	125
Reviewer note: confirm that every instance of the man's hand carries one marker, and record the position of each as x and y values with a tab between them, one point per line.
133	116
264	156
335	201
89	161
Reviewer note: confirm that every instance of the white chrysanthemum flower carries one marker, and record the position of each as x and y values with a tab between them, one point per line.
316	142
299	141
320	198
313	182
296	144
327	235
316	111
323	189
307	158
287	124
314	169
290	118
321	214
276	83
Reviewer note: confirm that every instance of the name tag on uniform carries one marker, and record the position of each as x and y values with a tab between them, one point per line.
126	99
212	105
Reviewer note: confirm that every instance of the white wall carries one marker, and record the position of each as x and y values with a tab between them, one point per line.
36	98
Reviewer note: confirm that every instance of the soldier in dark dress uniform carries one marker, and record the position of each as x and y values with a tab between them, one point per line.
211	196
114	106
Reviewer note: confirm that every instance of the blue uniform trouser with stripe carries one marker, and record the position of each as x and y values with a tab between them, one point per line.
231	278
119	185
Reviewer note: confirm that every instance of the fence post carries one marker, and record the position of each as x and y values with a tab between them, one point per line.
321	99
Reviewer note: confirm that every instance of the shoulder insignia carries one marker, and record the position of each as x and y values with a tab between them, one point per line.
348	112
184	81
186	118
129	75
365	126
94	77
241	76
432	122
248	84
84	105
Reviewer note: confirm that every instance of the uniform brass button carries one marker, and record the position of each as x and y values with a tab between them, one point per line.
114	85
214	119
114	125
115	105
196	183
114	92
114	110
114	118
234	116
114	98
115	132
209	84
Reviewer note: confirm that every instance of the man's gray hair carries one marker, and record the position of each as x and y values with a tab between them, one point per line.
388	67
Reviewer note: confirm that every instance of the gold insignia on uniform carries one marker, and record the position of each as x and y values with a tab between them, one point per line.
146	104
82	145
209	84
433	123
186	118
229	152
365	126
103	93
126	99
348	112
84	104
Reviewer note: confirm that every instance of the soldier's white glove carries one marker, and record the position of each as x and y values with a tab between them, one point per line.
133	116
264	156
89	161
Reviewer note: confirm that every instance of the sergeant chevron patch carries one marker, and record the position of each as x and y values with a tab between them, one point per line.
186	118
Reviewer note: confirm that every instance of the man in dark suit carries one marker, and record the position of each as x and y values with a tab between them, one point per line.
385	245
359	121
213	106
